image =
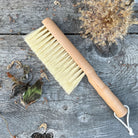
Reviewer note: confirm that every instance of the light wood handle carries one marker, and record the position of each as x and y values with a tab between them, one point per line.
112	101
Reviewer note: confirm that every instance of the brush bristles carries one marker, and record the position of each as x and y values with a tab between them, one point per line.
59	63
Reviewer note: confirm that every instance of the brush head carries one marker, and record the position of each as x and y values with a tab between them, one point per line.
59	63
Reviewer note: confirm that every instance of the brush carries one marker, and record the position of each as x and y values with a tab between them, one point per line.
68	66
66	63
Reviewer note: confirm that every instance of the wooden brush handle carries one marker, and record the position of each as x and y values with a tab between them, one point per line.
107	95
112	101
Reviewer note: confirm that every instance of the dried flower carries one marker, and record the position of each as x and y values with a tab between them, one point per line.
105	21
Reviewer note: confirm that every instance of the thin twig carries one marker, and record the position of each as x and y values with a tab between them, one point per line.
7	126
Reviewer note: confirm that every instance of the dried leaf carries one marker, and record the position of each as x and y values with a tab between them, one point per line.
33	93
10	65
19	64
26	69
45	100
57	3
22	102
44	125
18	89
37	135
29	104
43	75
13	78
48	135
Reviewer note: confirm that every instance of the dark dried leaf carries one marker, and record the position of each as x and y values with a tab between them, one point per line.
18	89
48	135
36	135
39	135
26	70
13	78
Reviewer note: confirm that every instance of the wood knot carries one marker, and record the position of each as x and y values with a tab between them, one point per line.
65	107
107	51
84	118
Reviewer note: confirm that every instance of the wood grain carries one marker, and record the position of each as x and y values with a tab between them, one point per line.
18	16
82	114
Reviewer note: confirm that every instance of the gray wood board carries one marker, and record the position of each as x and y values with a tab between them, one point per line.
28	15
83	114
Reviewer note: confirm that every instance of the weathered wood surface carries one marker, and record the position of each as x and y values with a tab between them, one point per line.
28	14
82	114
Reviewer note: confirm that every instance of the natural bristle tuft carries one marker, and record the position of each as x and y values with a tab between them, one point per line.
59	63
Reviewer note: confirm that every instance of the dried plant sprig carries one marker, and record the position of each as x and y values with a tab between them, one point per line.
105	21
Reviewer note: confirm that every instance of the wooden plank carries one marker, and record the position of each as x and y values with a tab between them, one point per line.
83	114
22	16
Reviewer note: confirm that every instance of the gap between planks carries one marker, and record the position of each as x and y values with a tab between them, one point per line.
64	34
